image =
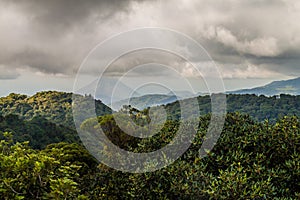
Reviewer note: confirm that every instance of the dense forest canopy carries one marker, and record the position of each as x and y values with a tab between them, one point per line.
258	107
252	160
57	106
38	131
51	105
256	157
49	114
43	118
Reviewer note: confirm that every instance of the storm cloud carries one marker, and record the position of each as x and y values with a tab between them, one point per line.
260	37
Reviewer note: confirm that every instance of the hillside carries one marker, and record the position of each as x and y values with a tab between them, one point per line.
51	105
46	117
43	118
291	86
258	107
38	131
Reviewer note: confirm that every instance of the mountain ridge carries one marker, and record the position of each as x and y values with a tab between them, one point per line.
290	86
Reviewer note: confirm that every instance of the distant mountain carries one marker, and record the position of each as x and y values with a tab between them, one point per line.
145	101
150	100
291	86
108	90
183	94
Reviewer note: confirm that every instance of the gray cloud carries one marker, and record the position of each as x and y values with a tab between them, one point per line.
56	15
149	62
8	74
55	36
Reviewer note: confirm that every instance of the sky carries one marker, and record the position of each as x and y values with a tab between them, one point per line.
44	43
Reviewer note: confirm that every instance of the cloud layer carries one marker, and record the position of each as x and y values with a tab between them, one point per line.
256	39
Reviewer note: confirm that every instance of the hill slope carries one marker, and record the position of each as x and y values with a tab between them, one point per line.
38	131
43	118
51	105
291	86
259	107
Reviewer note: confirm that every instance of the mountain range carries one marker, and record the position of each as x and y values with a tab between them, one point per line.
149	100
145	101
108	90
291	86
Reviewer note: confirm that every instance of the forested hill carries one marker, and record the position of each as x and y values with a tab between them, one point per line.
46	117
258	107
54	106
43	118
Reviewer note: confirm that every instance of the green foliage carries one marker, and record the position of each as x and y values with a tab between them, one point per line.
31	174
38	131
258	107
254	158
51	105
119	136
43	118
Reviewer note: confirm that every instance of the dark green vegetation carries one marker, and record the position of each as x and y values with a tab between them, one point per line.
43	118
250	161
38	131
258	107
253	159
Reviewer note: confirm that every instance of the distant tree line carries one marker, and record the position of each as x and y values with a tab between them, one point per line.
258	107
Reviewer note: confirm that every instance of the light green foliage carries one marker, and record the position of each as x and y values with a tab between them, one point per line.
31	174
43	118
53	106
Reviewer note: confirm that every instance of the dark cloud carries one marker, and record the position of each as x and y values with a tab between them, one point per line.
148	62
55	36
58	16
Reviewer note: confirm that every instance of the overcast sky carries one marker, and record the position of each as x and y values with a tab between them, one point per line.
43	43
